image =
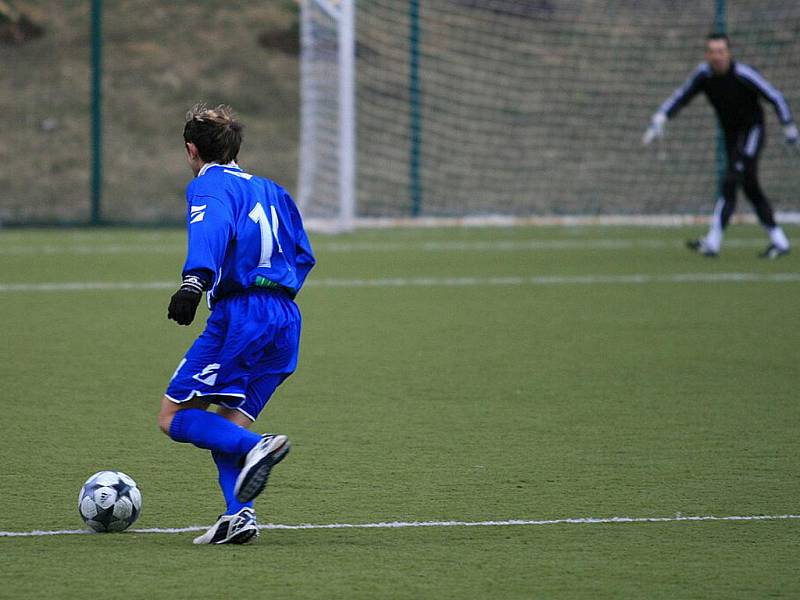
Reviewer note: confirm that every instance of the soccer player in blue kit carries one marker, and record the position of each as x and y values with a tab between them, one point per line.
249	252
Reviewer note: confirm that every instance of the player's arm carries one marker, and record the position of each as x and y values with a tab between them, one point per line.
304	255
672	105
209	230
772	95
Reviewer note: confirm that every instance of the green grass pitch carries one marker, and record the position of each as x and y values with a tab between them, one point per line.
445	375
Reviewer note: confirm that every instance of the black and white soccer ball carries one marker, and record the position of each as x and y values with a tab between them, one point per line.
109	501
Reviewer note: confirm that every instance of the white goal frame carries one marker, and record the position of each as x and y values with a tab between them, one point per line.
343	13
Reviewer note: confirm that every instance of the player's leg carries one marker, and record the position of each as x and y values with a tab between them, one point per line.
259	357
272	359
273	448
725	205
169	408
205	374
779	243
237	525
190	422
210	373
723	210
229	465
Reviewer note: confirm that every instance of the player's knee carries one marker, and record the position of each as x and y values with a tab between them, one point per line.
753	191
165	421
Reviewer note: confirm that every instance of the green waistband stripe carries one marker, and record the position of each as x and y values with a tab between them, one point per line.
266	283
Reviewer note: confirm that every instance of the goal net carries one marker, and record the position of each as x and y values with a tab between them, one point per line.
524	108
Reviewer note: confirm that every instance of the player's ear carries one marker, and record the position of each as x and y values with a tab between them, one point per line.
191	149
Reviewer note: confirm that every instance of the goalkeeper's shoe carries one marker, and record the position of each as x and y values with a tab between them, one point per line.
257	465
701	247
238	528
774	251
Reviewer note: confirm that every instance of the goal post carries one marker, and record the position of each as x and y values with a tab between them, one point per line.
327	112
452	111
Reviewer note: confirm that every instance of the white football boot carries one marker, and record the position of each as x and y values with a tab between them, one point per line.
238	528
774	251
701	246
257	465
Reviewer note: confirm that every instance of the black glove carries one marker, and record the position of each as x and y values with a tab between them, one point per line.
183	304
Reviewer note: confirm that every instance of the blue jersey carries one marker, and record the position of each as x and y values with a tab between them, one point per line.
244	232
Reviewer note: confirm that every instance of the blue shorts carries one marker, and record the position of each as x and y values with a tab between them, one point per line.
249	347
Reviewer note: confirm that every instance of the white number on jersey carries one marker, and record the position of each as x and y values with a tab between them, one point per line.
269	230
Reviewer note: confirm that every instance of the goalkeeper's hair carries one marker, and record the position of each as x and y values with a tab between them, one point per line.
215	131
716	35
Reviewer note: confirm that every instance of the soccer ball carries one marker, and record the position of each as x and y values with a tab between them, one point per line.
109	501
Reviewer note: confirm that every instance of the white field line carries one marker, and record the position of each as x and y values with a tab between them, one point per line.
100	249
332	225
156	247
407	524
540	280
84	286
519	245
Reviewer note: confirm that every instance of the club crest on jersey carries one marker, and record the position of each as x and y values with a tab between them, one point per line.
197	213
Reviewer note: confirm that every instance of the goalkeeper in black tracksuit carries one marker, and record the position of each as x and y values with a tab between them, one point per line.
734	90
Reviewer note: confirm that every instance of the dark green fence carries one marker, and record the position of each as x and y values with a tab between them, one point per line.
92	109
90	129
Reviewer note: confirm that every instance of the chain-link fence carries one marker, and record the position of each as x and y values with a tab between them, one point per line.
512	107
159	58
536	107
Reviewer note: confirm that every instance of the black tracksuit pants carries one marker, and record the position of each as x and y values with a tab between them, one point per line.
742	149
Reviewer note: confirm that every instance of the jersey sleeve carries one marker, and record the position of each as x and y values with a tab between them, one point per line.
767	91
304	254
210	226
684	94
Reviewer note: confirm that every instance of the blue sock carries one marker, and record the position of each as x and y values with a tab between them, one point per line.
210	431
228	467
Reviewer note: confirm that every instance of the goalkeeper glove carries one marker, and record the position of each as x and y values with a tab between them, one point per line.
790	133
183	304
656	128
